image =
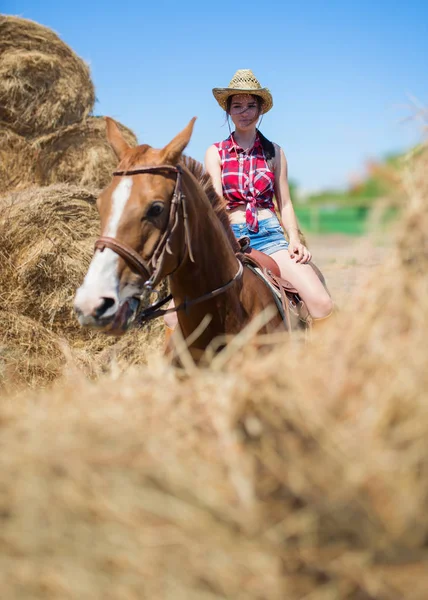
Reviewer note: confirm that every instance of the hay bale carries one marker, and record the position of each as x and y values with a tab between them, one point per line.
43	83
47	237
17	162
28	35
79	154
34	356
30	354
46	243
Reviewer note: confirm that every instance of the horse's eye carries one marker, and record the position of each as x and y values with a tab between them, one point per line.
155	210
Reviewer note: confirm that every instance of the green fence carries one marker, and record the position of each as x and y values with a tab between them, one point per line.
351	220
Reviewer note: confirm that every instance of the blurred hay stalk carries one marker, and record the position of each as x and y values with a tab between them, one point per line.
301	473
342	438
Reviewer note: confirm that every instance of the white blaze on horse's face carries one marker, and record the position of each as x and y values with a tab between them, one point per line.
99	293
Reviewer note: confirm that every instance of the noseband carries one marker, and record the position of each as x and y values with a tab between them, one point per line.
151	270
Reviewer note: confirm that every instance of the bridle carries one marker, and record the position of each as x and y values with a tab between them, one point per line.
151	269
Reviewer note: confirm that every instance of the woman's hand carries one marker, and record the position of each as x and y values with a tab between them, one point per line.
299	252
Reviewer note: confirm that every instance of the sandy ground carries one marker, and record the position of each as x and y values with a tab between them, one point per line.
346	260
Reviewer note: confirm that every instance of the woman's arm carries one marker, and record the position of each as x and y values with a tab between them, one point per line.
213	167
285	207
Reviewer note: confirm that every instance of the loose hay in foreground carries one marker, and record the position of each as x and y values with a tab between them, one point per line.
79	154
43	83
300	474
245	483
17	162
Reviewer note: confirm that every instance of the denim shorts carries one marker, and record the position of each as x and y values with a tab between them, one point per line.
269	239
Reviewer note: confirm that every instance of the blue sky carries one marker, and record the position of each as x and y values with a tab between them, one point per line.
342	73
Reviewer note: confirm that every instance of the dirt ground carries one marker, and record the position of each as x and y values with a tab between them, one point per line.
345	260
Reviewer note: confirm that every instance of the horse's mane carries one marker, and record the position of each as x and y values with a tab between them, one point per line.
202	177
216	201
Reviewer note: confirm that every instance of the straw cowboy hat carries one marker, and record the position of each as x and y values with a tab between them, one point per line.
244	82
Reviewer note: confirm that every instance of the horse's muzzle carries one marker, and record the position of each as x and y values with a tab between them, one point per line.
114	324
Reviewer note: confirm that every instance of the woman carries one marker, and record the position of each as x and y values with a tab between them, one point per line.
248	171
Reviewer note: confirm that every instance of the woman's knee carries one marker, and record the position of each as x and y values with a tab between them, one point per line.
321	306
307	282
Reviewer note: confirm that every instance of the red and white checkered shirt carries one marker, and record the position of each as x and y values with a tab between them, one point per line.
246	179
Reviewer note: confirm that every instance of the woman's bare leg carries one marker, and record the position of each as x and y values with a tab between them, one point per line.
306	281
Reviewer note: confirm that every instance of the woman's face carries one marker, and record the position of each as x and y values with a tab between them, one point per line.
244	111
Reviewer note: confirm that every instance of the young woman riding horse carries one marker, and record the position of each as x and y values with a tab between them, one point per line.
249	170
159	219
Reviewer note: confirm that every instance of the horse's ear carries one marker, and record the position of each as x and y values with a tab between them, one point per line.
116	139
172	152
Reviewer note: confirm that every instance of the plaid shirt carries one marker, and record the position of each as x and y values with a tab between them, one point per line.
246	179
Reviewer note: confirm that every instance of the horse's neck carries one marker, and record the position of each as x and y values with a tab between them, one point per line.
215	262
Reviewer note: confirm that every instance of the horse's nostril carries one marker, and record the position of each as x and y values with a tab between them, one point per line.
103	307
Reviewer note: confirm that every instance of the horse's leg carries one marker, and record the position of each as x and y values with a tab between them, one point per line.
305	279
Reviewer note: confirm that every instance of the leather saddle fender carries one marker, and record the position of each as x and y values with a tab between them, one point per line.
265	262
263	259
294	308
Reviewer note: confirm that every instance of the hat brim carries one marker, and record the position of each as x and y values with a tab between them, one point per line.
222	94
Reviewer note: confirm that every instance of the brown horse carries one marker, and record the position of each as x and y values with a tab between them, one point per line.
161	218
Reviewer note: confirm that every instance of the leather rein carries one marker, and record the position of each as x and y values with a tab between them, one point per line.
151	270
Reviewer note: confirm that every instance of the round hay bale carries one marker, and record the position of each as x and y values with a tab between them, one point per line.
79	154
25	34
30	354
43	83
17	162
46	240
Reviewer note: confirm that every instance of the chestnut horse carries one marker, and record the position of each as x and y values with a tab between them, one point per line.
161	218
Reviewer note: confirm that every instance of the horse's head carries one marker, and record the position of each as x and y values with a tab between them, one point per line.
138	211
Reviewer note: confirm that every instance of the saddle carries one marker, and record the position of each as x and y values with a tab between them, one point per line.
291	307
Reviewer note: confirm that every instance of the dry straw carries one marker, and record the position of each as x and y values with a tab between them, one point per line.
29	353
46	237
300	473
43	83
46	244
79	154
17	161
